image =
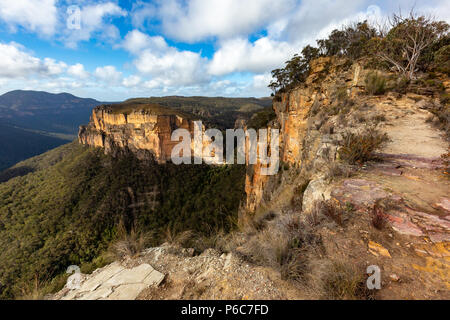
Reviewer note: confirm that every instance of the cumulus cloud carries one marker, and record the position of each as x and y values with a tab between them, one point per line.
168	66
108	74
54	67
142	13
135	41
32	15
199	19
16	62
131	81
241	55
77	70
94	21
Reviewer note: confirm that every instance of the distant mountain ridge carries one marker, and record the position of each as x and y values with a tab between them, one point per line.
32	122
39	110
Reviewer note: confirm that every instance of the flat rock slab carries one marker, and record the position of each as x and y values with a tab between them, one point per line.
127	291
100	293
412	161
103	275
134	275
360	192
114	282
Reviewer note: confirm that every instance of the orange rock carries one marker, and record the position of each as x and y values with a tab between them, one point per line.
377	249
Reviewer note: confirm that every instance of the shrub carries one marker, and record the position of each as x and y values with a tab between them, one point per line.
442	59
360	147
343	281
378	218
282	245
175	237
441	117
375	84
329	209
129	243
341	94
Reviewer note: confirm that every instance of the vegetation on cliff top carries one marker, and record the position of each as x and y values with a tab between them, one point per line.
408	45
218	112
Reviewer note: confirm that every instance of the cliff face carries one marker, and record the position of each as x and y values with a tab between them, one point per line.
143	132
299	146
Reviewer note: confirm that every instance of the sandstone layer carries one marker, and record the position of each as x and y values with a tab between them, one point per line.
142	130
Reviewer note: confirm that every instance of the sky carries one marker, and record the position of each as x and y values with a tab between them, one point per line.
112	50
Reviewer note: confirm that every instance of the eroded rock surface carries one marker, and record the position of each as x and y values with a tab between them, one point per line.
114	282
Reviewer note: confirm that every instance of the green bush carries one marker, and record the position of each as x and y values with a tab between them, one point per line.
375	84
442	59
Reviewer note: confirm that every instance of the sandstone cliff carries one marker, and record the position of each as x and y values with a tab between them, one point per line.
143	129
294	113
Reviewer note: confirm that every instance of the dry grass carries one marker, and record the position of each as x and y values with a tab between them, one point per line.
330	209
33	291
338	170
177	238
378	217
359	147
375	84
128	243
282	245
344	281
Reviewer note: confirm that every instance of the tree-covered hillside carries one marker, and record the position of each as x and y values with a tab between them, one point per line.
66	210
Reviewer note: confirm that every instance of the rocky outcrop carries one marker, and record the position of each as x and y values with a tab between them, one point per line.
299	145
172	272
144	131
113	282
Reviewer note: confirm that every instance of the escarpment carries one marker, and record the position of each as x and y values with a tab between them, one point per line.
314	118
299	145
145	130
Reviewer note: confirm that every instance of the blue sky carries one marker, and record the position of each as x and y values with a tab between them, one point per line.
127	48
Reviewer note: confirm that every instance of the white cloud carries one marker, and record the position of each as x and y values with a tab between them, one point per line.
172	67
36	16
240	55
93	20
167	66
108	74
131	81
54	67
15	62
199	19
77	70
135	41
141	13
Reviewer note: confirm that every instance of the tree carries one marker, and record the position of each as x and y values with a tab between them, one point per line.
295	70
407	39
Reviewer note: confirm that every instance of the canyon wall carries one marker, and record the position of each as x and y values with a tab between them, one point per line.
300	144
142	131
